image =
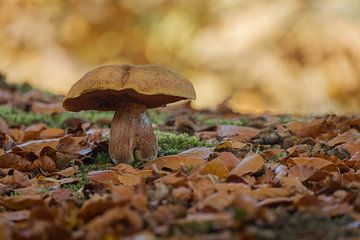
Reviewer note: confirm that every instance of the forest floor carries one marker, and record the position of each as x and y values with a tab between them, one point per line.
219	174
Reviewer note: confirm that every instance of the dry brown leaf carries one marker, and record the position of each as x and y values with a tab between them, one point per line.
303	173
174	162
16	178
104	177
129	179
52	133
198	152
249	164
44	162
95	206
269	192
314	162
10	160
20	202
229	159
217	201
307	129
37	145
181	193
68	172
16	134
347	137
15	215
275	201
294	184
236	133
216	167
121	193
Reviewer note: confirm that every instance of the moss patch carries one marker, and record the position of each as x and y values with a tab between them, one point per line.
173	143
15	116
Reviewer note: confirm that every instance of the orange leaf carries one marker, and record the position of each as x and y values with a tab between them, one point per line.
10	160
104	176
301	172
45	163
129	179
236	133
269	192
198	152
52	133
37	145
229	159
249	164
216	167
174	162
314	162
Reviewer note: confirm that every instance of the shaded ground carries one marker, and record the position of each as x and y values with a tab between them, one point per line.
219	175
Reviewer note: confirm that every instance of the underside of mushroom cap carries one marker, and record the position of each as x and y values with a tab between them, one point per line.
110	86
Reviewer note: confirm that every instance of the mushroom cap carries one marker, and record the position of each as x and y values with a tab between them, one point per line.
110	86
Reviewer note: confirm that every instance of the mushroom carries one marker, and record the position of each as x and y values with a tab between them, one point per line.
129	90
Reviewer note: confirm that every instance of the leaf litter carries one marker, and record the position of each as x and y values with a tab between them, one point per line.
265	180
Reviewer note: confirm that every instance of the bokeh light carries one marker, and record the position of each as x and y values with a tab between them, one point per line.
293	56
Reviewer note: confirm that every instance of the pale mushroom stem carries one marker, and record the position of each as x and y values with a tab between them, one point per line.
132	136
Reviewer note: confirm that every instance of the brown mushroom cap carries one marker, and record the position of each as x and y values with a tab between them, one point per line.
108	87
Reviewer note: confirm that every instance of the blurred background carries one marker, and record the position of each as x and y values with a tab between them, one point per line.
293	56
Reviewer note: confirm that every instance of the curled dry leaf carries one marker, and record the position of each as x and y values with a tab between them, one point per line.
347	137
250	164
303	173
317	163
44	162
104	177
68	172
37	145
198	152
20	202
294	185
217	201
10	160
229	159
216	167
269	192
52	133
236	133
305	129
174	162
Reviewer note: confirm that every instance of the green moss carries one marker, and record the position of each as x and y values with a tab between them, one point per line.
16	116
286	119
75	187
237	122
173	143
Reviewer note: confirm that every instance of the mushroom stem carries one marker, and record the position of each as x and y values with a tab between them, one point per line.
132	136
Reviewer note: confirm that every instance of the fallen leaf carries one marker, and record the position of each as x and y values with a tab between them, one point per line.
104	177
216	167
314	162
10	160
45	163
52	133
236	133
20	202
249	164
269	192
174	162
